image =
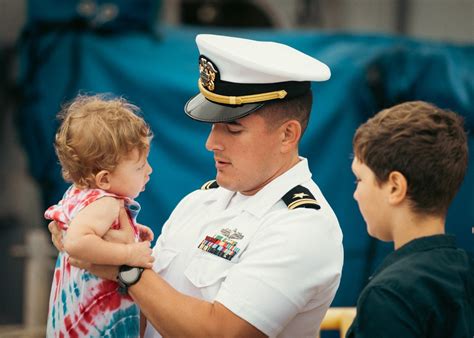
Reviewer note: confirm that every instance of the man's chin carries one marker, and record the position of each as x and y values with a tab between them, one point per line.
223	182
219	180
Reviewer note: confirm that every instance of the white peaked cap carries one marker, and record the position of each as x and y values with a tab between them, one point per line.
239	76
249	61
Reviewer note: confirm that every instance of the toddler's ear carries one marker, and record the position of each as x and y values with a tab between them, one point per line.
102	179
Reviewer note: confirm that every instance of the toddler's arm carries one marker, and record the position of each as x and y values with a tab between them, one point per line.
84	240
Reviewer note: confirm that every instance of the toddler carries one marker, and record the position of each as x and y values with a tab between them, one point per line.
102	145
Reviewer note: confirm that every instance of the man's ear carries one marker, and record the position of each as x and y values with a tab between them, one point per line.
102	180
290	135
398	186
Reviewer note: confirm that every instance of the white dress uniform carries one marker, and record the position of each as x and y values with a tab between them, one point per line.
275	266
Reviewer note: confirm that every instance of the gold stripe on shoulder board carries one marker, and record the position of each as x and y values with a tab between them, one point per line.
302	201
209	185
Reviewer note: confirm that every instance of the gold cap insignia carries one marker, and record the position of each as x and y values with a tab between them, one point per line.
207	72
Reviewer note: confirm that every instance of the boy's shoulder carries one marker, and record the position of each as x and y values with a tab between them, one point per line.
427	272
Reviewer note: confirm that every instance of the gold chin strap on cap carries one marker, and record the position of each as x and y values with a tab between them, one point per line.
236	100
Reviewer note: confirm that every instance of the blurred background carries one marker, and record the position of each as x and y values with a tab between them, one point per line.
381	52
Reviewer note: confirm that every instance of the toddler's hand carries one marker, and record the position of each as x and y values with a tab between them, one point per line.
145	233
139	254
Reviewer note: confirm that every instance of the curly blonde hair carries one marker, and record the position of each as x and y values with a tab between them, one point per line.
95	134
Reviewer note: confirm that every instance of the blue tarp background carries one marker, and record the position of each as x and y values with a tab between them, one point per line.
158	72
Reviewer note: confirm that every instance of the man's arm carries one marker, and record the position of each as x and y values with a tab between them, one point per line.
176	315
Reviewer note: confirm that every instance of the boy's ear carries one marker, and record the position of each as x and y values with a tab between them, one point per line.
397	185
102	179
290	135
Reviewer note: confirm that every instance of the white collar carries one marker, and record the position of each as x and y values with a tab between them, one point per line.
270	194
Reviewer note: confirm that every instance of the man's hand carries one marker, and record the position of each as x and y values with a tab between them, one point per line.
145	233
56	235
109	272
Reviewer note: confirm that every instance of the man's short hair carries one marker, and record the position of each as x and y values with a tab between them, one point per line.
95	134
278	112
428	145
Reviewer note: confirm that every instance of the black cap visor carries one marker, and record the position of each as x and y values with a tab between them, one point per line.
201	109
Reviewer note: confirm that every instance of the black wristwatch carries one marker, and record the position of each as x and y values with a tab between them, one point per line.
127	276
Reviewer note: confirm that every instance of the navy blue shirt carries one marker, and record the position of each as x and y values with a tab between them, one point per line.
423	289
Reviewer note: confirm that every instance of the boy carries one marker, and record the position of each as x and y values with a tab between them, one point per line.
409	163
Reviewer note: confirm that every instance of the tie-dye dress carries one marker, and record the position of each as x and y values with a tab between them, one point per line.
81	304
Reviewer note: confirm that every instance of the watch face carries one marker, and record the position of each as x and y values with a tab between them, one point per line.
130	276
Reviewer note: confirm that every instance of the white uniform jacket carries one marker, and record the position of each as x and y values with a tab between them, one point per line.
277	268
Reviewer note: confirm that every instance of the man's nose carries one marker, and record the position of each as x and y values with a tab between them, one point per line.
214	142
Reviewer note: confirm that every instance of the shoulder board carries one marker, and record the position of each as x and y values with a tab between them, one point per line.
212	184
300	197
